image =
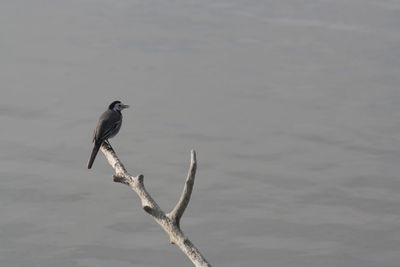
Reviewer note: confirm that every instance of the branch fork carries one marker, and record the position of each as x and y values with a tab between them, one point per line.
170	221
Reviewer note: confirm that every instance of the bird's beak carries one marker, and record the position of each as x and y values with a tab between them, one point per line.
124	106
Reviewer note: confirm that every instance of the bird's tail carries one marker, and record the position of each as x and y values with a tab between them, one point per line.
93	155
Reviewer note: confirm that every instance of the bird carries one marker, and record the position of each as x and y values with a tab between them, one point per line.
107	127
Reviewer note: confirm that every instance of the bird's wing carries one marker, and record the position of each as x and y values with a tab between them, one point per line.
107	126
111	128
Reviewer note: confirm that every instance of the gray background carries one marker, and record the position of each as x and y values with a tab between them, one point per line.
292	106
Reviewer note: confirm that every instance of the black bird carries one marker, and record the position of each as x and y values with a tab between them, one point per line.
108	126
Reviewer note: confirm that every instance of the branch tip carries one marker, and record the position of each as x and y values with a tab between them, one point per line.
193	155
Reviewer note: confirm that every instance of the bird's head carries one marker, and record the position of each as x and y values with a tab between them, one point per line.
117	106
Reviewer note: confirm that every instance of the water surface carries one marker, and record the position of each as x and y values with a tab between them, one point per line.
292	107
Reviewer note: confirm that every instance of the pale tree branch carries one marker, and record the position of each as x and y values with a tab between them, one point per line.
176	214
169	222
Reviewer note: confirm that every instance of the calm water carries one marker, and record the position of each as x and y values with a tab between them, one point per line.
292	107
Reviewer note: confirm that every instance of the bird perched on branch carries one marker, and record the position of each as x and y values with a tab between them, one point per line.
108	126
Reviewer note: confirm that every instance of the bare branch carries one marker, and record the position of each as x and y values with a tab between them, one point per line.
170	223
177	212
112	158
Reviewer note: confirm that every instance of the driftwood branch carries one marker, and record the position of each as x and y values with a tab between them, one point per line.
177	212
170	222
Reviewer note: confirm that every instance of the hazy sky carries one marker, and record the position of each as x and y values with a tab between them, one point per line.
292	107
